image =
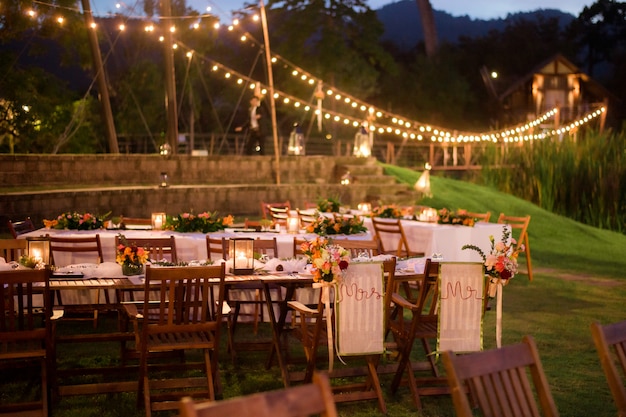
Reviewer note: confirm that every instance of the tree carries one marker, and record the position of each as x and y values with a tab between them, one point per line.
428	23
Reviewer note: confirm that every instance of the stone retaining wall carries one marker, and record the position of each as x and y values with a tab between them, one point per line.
29	171
47	185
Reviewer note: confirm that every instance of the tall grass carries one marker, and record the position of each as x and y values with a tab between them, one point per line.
583	179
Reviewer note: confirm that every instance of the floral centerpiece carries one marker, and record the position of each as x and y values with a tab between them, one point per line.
336	225
131	257
501	261
387	212
460	217
76	221
206	222
327	260
328	205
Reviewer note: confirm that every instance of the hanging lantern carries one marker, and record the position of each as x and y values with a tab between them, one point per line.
39	249
241	255
296	141
158	220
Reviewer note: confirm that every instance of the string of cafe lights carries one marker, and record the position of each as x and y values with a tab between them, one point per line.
398	125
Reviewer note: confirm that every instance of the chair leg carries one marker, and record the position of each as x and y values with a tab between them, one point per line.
209	375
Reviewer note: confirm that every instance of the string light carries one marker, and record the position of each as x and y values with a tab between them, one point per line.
412	129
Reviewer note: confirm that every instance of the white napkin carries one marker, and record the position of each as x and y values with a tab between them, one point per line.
411	264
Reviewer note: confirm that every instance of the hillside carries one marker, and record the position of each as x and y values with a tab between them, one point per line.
403	25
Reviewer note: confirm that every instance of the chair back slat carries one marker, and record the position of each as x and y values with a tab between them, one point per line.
216	247
158	248
610	341
12	249
21	227
267	247
315	398
360	247
391	229
81	245
498	382
519	231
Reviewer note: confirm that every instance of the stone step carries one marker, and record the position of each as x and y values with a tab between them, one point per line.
364	169
373	179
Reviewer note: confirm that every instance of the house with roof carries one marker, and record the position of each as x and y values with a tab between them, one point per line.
555	83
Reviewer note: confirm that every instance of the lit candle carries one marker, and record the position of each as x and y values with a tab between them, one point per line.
158	223
293	224
37	255
241	261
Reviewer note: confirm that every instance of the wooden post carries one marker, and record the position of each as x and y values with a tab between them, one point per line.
101	79
170	77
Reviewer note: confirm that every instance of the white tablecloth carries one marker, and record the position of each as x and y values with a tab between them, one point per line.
446	240
429	238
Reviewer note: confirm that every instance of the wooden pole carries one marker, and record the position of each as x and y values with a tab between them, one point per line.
170	77
103	88
268	60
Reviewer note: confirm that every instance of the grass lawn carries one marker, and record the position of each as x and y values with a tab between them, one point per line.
577	280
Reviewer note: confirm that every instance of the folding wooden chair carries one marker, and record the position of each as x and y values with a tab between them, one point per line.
26	335
480	216
182	318
303	400
391	229
285	206
519	224
216	248
498	382
359	248
613	337
12	249
311	330
158	248
21	227
73	250
422	291
307	217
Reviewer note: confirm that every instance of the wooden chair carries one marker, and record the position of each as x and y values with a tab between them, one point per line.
307	217
613	337
311	331
21	227
392	228
26	335
520	225
279	215
216	248
297	247
78	250
265	208
183	318
158	248
498	382
420	300
12	249
480	216
359	248
303	400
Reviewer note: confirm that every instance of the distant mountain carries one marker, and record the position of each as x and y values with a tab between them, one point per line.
403	25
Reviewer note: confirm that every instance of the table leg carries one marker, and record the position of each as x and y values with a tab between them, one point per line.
277	327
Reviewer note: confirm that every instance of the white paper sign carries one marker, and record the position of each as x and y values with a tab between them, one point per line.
461	291
359	310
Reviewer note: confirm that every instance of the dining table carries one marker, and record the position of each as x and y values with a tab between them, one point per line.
444	241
